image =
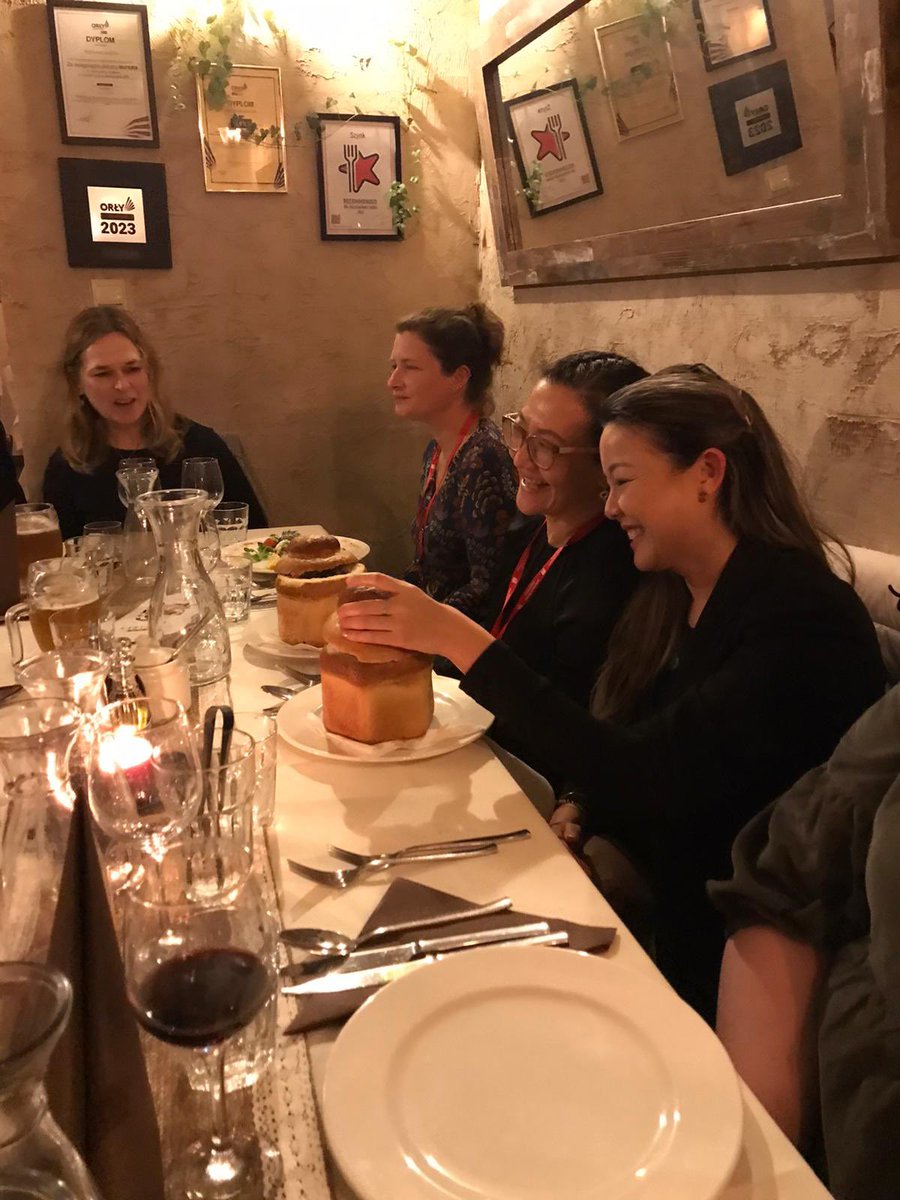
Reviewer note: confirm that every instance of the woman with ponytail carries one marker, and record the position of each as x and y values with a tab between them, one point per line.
442	365
736	667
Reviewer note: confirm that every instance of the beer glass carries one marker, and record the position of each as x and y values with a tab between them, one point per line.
37	537
61	588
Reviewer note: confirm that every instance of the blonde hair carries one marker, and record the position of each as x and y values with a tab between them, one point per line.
84	439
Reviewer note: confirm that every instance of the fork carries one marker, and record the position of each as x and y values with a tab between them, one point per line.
343	877
359	860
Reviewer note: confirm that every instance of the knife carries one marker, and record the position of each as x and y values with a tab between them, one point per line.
391	966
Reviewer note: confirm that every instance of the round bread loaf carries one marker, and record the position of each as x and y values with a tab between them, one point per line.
316	555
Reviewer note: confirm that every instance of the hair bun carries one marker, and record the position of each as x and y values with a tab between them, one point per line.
489	328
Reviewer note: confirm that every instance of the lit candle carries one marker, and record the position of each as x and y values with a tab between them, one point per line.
126	752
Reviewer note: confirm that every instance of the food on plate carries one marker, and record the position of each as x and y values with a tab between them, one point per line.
265	555
373	693
312	573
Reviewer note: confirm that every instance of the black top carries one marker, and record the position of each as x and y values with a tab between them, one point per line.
563	630
467	522
821	866
10	488
783	659
79	497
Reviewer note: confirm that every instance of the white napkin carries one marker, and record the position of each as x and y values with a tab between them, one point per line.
437	735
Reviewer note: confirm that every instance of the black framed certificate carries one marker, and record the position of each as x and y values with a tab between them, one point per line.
756	118
103	74
116	214
358	160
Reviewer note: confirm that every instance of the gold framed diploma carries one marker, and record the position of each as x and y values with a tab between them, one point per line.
103	73
731	30
640	78
243	141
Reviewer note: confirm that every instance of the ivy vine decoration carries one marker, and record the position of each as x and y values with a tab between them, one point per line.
212	63
532	187
251	132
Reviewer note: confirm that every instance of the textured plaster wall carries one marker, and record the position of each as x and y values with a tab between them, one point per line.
264	331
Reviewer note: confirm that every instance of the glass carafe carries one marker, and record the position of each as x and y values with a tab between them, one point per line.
36	1158
136	476
185	609
36	801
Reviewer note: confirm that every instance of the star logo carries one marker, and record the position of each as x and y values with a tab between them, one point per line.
551	139
359	168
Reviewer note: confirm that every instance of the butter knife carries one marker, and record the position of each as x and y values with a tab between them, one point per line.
372	968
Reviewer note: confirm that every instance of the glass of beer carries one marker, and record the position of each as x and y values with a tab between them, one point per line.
37	536
63	589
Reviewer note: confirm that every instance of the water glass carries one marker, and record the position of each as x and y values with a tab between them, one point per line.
159	672
234	583
232	518
263	728
225	819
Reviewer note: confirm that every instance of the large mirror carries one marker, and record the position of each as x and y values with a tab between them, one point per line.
648	137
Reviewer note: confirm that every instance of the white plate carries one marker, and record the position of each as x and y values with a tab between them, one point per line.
266	569
263	637
457	721
527	1073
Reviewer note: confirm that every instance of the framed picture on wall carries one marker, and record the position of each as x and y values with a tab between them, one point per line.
115	213
756	118
733	29
243	141
103	74
553	148
358	160
640	79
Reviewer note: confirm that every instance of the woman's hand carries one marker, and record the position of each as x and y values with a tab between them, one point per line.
565	821
413	621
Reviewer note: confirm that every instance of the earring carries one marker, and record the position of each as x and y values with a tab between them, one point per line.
702	496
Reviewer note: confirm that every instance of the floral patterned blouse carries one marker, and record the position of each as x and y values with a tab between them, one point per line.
467	522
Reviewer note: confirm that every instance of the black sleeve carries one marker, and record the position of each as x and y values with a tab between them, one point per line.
10	488
60	489
795	680
237	485
800	865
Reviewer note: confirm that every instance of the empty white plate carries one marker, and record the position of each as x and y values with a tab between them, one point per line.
529	1073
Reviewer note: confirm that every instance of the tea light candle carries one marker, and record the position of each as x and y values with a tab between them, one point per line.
125	751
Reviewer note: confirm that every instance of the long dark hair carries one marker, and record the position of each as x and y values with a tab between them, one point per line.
684	411
462	337
84	440
595	375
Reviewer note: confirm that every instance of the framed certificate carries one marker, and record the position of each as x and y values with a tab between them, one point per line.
358	160
640	79
103	75
756	118
116	213
733	29
553	147
243	141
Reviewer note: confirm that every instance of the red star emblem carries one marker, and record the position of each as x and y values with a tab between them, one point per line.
551	139
363	171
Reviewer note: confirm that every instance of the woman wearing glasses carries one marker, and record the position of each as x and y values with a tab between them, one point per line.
115	410
735	671
442	365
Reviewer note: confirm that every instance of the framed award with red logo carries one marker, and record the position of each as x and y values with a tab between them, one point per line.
115	213
103	74
553	147
358	161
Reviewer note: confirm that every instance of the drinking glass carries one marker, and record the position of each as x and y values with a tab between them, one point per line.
60	587
103	541
37	537
206	474
234	583
136	477
144	780
263	728
160	672
198	971
232	518
225	815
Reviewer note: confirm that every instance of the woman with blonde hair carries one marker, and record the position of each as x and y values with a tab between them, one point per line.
736	670
115	410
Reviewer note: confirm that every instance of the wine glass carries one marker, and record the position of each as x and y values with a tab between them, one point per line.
206	474
197	972
144	780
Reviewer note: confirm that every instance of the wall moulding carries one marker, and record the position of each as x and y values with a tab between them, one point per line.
697	195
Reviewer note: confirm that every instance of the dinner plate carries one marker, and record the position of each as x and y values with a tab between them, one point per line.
530	1073
263	637
354	546
457	721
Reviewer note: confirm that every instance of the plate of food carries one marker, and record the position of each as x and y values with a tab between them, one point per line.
265	554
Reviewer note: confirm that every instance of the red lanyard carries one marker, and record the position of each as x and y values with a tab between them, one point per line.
423	509
503	622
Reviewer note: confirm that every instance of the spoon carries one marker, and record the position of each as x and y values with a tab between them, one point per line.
327	946
284	691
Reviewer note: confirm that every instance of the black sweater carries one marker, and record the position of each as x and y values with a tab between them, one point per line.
79	497
782	661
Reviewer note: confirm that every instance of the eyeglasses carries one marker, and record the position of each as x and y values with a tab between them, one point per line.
541	451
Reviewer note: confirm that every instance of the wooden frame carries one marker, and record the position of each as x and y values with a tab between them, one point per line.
715	65
860	223
116	214
333	207
254	97
141	132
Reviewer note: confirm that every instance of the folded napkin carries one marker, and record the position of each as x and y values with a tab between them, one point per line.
405	900
454	734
